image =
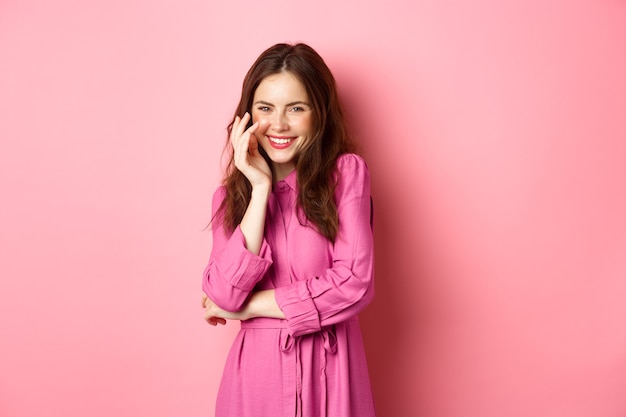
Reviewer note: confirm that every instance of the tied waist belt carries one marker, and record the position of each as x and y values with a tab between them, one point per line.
291	348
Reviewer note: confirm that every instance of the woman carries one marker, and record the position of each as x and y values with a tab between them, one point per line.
292	255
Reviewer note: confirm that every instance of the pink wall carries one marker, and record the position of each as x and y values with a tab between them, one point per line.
496	138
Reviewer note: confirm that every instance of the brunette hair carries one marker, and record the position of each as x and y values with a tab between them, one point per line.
315	164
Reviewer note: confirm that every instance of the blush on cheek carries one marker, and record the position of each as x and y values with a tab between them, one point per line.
263	123
262	129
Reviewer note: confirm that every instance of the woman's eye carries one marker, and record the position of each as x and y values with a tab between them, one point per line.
297	109
264	109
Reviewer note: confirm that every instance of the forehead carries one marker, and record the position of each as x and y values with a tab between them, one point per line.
283	86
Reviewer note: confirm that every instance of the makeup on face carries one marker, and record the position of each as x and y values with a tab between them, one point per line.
281	107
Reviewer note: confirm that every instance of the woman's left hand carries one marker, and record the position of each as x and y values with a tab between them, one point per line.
215	315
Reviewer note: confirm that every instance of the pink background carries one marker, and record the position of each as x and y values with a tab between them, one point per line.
496	136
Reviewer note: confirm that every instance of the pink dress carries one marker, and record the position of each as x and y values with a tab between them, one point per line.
311	364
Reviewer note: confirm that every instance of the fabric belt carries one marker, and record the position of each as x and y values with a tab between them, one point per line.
290	346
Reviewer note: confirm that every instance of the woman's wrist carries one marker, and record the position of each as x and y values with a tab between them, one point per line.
261	190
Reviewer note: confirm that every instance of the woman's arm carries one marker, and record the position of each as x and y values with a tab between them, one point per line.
241	258
260	304
251	163
233	270
344	289
253	222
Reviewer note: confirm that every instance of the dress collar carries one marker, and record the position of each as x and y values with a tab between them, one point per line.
290	180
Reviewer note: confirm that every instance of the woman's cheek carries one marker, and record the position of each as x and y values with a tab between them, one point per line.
261	120
263	124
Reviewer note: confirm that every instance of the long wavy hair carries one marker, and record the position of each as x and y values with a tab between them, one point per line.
316	161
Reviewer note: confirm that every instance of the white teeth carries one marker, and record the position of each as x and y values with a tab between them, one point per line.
280	141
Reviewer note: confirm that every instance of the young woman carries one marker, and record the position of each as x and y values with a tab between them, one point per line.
292	255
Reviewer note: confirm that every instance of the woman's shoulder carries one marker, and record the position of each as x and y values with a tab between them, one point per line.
352	174
350	165
219	195
350	162
220	191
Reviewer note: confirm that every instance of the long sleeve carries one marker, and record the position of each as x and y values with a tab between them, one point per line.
233	271
345	288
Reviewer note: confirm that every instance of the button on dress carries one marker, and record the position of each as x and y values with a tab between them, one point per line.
311	364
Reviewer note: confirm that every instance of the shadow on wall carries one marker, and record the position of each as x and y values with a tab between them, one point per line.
393	322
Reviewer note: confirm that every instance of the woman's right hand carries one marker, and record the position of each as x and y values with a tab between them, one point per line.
247	157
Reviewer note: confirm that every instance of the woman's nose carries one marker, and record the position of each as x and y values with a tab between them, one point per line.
279	121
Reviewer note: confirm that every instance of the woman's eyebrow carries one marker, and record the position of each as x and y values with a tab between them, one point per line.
293	103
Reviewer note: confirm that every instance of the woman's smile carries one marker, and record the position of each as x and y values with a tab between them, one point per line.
281	142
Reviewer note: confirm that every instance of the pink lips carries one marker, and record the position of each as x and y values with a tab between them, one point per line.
281	142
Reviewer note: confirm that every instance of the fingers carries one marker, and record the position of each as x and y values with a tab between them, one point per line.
234	130
214	321
246	156
253	143
240	136
209	312
239	127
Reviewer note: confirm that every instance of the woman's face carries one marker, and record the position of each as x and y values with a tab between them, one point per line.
281	107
